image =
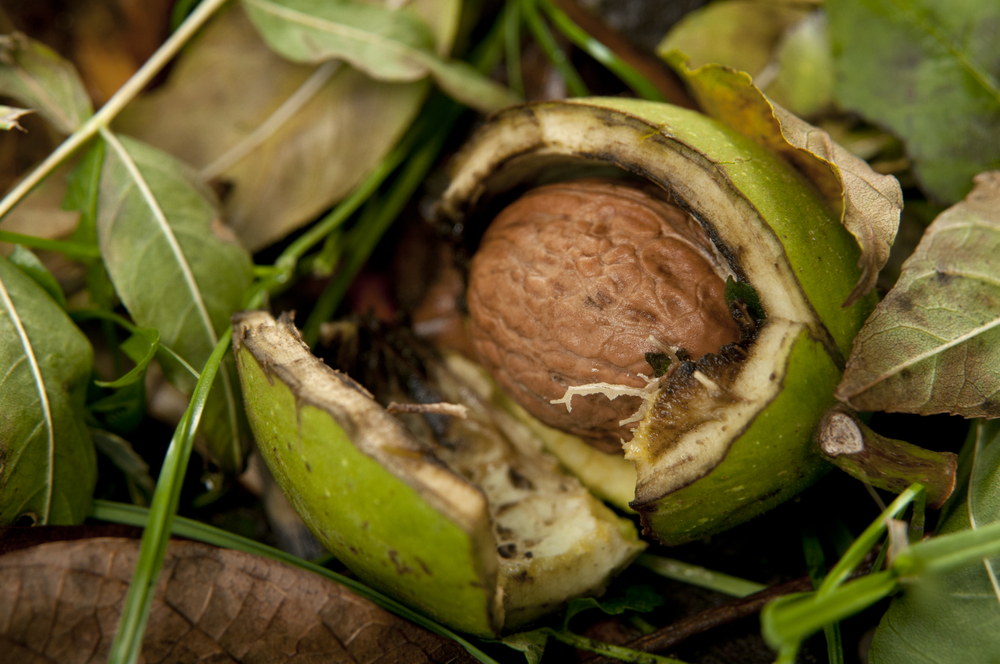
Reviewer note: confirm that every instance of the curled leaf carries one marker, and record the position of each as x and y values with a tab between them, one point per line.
933	343
36	76
63	601
868	203
47	462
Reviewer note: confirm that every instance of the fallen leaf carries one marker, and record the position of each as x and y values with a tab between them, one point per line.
47	462
932	344
36	76
927	71
175	270
953	617
387	44
289	140
868	203
62	602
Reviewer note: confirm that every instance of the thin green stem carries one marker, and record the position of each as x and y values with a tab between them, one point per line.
195	530
617	652
75	250
512	45
114	106
631	77
135	611
555	55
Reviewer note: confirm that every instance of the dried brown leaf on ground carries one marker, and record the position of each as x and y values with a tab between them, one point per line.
868	203
62	603
933	344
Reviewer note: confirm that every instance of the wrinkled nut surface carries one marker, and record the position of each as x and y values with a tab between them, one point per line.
571	285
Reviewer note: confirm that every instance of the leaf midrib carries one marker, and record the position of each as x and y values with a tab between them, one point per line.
161	220
43	396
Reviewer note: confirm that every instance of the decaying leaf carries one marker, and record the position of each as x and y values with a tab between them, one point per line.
35	75
62	602
868	203
387	44
175	268
928	72
932	344
953	617
288	140
47	462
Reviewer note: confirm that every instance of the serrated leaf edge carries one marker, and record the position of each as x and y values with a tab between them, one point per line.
175	248
42	394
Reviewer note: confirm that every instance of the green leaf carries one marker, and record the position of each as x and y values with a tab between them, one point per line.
933	344
953	617
82	190
36	76
175	269
634	597
927	71
28	263
391	45
532	643
141	348
132	465
9	117
47	463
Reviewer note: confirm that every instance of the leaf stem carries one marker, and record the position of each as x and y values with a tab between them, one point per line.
74	250
114	106
629	75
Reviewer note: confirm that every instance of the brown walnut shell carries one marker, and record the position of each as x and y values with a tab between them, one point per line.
573	283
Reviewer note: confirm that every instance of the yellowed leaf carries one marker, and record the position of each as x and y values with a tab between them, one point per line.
868	203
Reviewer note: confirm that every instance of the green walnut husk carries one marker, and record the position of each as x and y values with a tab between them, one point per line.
709	454
484	534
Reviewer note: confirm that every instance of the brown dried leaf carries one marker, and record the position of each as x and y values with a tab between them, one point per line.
62	602
868	203
933	343
289	140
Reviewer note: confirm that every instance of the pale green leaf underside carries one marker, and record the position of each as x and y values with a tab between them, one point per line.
933	344
952	617
37	77
162	243
47	462
9	117
391	45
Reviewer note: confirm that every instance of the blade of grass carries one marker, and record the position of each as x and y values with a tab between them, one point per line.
574	84
182	527
617	652
628	74
816	564
512	45
127	644
699	576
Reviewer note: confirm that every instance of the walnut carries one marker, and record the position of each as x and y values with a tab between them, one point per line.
575	282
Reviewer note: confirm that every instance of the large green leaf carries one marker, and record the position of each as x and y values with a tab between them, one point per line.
954	617
392	45
930	72
175	268
47	461
35	75
933	344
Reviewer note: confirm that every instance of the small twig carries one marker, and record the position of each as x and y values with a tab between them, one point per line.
441	408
